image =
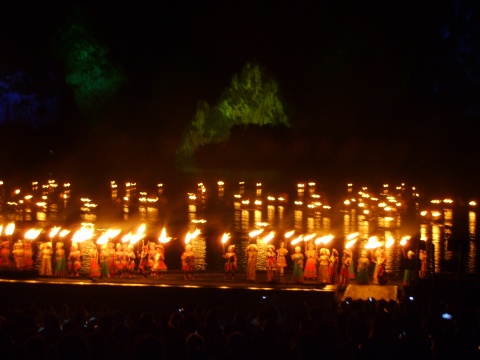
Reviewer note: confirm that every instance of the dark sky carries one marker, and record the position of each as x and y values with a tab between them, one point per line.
354	75
327	56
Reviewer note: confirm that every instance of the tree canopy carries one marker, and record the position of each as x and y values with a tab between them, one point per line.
88	70
252	98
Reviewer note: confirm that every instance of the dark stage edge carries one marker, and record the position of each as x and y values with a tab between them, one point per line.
171	293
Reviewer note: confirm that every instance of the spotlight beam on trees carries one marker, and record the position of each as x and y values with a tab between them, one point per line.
251	98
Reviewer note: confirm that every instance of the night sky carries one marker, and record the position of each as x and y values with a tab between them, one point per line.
380	90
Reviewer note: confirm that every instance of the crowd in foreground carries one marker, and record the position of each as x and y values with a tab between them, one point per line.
274	328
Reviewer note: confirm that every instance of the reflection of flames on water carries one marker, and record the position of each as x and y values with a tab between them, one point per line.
199	248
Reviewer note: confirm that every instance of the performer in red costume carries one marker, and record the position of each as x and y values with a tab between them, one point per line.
310	270
159	266
5	262
188	263
74	260
230	262
333	267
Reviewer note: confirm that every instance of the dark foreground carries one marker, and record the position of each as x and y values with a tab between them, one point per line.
213	318
172	291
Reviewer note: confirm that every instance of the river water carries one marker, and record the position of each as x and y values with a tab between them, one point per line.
445	228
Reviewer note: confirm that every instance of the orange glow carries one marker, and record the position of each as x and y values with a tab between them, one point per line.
255	232
163	238
225	237
324	239
10	229
32	234
404	240
54	231
297	240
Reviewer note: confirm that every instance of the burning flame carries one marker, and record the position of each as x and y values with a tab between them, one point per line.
390	241
54	231
373	243
225	237
350	243
324	239
309	237
107	235
163	237
255	232
404	240
191	236
297	240
83	234
269	237
10	229
127	237
32	234
64	233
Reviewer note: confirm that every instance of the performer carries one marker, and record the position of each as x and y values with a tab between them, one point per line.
130	261
19	255
345	269
151	259
382	267
5	262
159	263
282	258
271	262
60	261
110	257
324	262
188	263
94	266
409	272
46	254
375	256
251	252
143	268
28	255
103	259
351	269
362	271
119	260
310	272
230	262
298	258
423	264
74	260
333	267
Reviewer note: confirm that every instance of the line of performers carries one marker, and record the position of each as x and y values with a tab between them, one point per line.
321	265
117	260
327	268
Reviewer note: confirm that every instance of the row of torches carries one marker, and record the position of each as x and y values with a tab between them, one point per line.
87	232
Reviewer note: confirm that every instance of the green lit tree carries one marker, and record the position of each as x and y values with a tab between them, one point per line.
251	99
88	70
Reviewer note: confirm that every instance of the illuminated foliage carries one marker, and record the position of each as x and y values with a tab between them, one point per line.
251	99
88	71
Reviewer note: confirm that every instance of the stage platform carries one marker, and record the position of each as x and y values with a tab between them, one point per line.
377	292
208	288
